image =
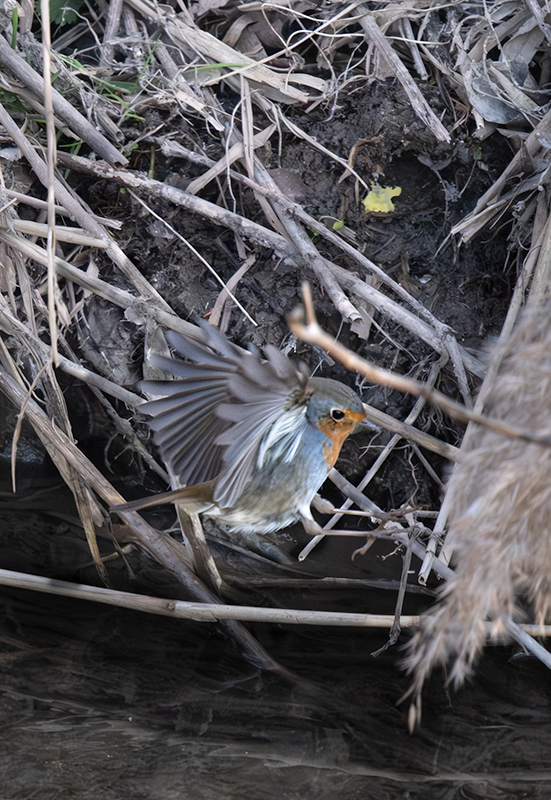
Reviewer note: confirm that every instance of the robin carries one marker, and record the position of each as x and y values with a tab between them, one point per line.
251	438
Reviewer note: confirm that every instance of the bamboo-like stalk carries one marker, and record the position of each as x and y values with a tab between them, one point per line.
213	612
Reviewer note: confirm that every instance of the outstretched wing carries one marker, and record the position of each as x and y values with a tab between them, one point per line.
210	422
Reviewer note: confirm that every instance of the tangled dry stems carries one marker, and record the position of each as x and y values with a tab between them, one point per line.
181	70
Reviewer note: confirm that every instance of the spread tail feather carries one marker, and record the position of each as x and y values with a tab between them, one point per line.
196	498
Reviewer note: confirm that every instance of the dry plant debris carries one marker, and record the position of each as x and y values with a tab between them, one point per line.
499	505
218	90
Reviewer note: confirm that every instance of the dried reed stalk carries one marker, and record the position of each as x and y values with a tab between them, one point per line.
212	612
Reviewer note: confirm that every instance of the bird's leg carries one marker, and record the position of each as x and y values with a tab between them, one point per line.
311	526
322	505
325	507
313	529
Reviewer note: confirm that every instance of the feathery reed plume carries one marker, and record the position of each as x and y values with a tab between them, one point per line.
500	514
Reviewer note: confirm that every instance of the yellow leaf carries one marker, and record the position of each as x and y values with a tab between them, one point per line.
379	199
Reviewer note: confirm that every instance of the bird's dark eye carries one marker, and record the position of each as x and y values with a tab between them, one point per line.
337	414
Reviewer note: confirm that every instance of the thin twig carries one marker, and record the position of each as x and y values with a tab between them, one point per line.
313	334
112	23
50	164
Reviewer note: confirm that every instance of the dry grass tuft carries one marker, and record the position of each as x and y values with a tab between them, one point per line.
500	505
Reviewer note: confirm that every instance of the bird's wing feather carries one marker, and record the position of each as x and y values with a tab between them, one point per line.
209	423
214	352
242	442
251	448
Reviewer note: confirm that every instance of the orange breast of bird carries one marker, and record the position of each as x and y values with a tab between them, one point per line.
337	432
